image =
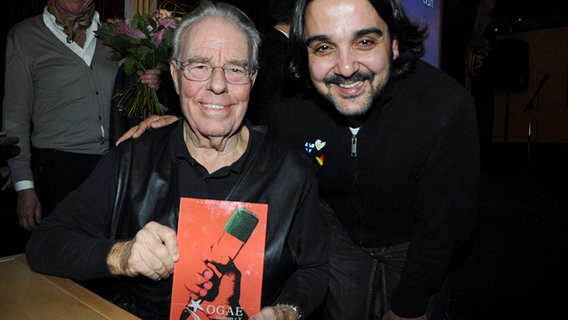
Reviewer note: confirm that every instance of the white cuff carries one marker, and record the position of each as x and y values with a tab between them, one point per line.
24	184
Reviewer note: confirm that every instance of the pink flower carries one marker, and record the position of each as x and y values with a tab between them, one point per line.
128	30
167	23
158	37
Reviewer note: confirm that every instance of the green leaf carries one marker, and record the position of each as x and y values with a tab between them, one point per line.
152	23
138	21
129	66
146	55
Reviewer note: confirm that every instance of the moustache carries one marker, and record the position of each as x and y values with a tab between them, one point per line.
358	76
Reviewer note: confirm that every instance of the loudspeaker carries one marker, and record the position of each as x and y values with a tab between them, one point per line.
510	65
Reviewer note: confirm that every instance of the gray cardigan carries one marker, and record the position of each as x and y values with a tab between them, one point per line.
53	99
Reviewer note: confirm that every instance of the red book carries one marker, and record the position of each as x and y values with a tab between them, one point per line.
219	272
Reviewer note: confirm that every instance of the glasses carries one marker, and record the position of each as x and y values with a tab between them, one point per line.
202	71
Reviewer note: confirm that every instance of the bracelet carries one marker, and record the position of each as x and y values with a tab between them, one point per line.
291	307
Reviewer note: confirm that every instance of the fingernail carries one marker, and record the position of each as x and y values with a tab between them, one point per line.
207	274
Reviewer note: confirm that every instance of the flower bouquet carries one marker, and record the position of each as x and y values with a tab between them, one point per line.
142	42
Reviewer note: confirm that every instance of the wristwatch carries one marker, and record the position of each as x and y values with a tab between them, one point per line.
293	307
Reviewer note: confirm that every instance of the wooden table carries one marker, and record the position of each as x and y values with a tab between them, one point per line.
25	294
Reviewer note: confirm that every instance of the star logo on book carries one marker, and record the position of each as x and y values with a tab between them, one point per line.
194	305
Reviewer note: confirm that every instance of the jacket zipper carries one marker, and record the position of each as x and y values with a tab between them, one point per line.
354	146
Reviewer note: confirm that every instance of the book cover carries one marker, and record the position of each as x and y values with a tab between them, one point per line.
219	273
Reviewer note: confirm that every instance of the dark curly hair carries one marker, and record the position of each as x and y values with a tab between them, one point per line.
410	35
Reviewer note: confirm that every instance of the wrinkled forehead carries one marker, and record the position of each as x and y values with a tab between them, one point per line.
215	38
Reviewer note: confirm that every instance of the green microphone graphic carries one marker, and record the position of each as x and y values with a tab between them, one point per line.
238	229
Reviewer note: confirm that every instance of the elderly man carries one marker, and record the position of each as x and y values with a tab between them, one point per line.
122	221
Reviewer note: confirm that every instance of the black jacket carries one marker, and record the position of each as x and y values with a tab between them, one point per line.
411	173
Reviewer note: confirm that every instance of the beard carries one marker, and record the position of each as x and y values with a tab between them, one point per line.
368	98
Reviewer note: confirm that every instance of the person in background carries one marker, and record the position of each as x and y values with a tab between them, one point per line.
273	52
109	227
397	147
57	101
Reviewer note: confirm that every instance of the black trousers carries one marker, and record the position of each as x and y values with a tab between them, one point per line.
58	173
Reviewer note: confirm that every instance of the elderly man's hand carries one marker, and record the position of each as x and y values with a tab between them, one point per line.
151	78
151	253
